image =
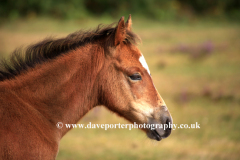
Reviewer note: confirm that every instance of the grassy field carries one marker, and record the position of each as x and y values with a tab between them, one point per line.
196	69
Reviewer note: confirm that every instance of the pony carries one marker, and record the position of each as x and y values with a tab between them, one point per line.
60	80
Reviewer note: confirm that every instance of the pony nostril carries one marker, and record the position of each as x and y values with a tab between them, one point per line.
168	128
169	123
164	108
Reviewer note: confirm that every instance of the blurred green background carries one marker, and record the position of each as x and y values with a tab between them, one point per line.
193	51
155	9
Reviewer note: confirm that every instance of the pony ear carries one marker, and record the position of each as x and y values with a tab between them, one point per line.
129	23
120	32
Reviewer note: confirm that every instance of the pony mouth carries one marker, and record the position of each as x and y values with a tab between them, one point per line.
153	134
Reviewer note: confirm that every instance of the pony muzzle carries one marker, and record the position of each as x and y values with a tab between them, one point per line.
161	126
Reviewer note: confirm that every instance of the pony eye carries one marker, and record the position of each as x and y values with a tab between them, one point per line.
136	77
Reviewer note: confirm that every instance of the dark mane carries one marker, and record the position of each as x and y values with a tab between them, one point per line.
21	60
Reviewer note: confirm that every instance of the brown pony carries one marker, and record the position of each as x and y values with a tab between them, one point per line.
61	80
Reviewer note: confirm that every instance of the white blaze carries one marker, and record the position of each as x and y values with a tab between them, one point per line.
143	107
144	63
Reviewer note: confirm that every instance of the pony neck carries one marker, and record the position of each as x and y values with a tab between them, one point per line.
63	89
